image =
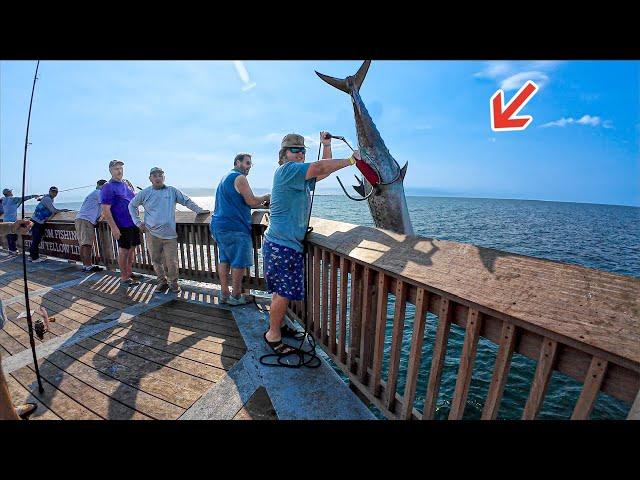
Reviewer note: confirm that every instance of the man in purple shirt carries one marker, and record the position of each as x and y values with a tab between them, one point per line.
114	199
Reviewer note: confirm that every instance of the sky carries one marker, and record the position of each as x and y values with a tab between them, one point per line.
192	117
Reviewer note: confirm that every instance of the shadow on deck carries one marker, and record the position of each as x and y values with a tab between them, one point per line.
116	353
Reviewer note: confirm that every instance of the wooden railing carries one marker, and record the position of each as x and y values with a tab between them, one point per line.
581	322
354	270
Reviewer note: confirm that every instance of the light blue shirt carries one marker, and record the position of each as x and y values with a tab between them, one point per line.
290	202
160	209
90	209
11	205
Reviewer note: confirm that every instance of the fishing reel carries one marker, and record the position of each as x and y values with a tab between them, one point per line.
41	322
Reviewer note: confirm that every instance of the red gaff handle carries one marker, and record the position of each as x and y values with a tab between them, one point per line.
368	172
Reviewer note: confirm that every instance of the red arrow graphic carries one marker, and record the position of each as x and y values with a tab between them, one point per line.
503	118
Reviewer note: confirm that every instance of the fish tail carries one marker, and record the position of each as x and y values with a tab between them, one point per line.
342	84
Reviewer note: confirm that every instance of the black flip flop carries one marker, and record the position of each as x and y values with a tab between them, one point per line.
278	347
287	331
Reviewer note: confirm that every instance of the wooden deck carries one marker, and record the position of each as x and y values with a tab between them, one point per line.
116	353
151	365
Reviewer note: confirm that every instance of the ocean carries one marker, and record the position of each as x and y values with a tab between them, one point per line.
604	237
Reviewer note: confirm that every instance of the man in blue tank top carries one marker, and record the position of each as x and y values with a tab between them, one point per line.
282	251
231	227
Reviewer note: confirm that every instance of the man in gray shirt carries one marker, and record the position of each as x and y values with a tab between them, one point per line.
159	203
86	221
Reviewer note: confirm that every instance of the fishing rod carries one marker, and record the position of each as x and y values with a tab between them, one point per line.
24	256
75	188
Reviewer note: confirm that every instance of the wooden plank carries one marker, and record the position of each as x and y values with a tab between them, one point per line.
334	304
19	395
57	401
355	316
437	360
365	339
634	412
315	300
592	383
187	246
396	344
324	312
541	379
381	324
415	354
500	372
467	359
344	279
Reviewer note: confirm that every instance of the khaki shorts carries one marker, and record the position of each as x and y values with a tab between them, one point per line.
85	231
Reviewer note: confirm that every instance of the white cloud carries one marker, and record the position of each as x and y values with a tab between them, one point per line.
244	75
514	82
494	70
590	120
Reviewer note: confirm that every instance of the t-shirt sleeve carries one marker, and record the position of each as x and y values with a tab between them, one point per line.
293	175
106	195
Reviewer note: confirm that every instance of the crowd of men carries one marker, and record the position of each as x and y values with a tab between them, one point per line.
116	202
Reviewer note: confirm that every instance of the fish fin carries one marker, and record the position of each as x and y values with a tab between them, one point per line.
403	171
359	189
361	73
341	83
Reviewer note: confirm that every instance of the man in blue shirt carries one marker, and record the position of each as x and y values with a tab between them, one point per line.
86	221
11	204
42	213
231	227
282	252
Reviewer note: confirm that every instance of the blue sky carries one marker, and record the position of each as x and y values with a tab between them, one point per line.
191	117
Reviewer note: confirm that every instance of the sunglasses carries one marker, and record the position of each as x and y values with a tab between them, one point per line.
298	150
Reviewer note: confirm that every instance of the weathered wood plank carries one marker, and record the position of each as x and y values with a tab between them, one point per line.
396	343
437	360
415	354
344	279
333	304
500	372
467	359
324	312
381	324
316	292
592	383
541	378
355	316
365	339
634	412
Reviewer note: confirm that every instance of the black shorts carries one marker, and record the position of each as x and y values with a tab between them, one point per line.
129	237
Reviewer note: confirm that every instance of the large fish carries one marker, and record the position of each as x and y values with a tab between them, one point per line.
387	204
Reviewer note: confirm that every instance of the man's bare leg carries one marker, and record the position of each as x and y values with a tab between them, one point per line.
85	255
236	280
123	263
224	279
7	410
276	316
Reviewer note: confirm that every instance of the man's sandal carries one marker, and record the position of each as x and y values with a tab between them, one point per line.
279	348
25	410
287	331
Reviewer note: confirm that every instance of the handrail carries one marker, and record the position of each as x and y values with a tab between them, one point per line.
580	322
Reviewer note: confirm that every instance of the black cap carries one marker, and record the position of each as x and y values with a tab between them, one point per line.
53	189
101	182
